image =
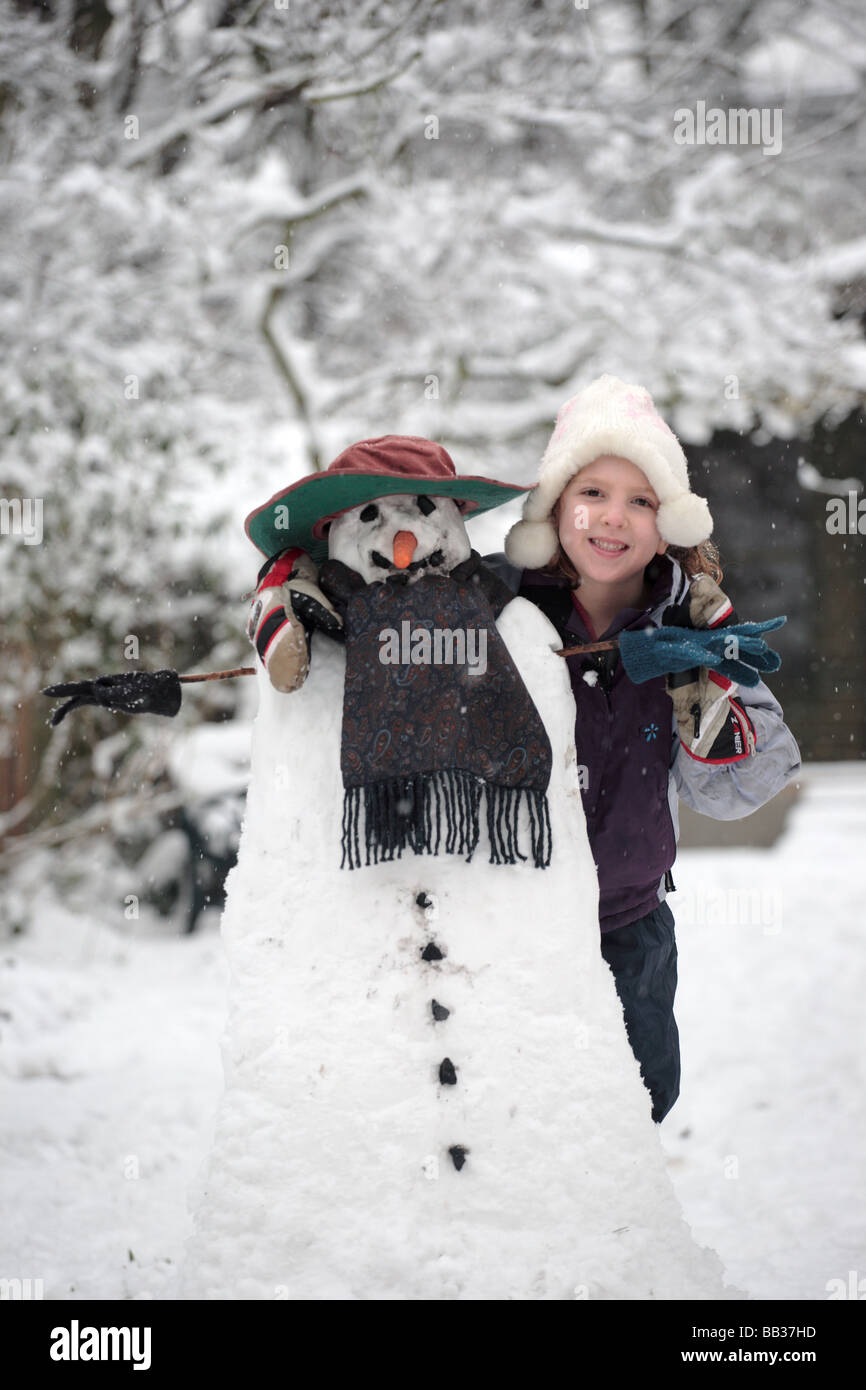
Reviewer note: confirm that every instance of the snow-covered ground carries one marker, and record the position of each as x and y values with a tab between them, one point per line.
110	1072
767	1141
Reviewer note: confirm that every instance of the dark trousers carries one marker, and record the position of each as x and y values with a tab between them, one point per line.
643	959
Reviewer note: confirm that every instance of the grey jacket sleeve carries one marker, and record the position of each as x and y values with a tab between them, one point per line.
732	790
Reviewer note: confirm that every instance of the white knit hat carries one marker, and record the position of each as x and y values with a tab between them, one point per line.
609	417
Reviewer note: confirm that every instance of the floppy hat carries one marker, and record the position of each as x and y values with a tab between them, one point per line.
395	463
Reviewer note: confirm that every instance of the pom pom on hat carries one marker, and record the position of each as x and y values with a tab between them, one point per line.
681	520
531	544
609	417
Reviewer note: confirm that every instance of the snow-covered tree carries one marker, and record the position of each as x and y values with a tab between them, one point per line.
236	236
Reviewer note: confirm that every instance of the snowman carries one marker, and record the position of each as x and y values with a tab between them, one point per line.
429	1090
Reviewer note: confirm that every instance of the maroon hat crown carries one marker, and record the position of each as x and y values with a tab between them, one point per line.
396	455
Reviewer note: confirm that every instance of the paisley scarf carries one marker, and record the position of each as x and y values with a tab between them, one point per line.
436	719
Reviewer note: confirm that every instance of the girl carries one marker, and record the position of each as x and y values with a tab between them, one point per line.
612	538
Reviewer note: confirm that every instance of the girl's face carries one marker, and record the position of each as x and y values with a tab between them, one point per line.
607	521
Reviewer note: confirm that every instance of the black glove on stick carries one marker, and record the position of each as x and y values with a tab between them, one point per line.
132	692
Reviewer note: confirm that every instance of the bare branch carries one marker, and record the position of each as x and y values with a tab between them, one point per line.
92	821
851	116
403	23
165	14
371	85
288	372
127	74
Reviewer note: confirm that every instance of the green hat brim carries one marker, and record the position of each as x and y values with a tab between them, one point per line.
296	516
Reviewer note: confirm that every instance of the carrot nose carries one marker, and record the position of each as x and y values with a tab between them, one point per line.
405	545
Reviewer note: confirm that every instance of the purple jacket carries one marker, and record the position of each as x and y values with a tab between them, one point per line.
632	768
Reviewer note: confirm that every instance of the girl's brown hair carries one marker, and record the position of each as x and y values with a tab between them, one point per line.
692	559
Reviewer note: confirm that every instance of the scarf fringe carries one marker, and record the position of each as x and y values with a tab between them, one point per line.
382	820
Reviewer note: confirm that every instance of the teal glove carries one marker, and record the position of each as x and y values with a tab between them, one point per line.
737	652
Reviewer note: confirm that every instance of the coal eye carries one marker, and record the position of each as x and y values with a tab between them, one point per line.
370	513
426	506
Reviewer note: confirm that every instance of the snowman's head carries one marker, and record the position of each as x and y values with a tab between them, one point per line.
401	533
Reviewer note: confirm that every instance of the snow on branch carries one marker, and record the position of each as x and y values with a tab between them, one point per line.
667	239
548	363
838	265
274	85
305	209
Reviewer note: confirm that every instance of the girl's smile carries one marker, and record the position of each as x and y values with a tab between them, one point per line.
607	547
